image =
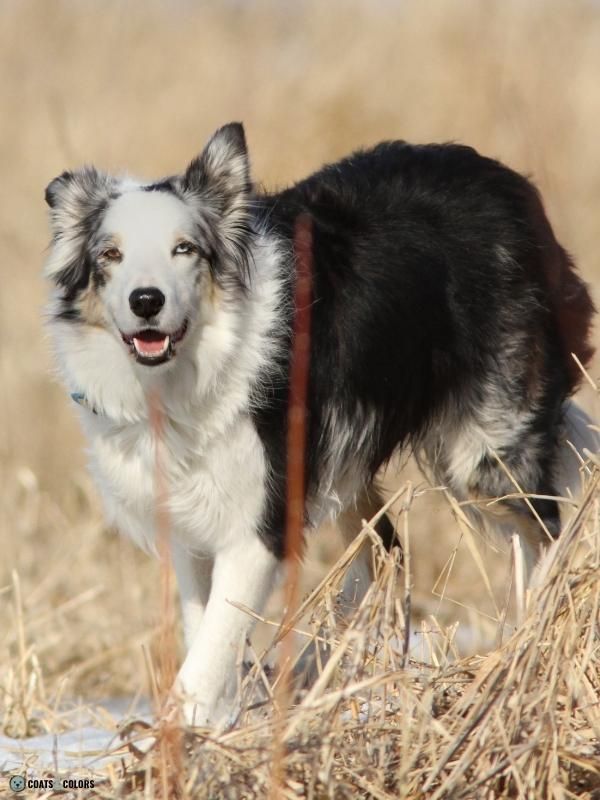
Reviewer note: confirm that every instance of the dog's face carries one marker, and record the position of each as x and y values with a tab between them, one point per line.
143	262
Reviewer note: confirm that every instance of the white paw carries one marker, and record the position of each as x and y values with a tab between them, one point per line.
197	715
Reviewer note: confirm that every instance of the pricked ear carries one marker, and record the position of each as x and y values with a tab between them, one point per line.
222	170
219	179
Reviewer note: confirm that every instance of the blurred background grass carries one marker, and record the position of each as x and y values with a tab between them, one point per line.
139	86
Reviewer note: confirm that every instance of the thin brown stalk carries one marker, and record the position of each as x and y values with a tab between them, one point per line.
296	471
169	751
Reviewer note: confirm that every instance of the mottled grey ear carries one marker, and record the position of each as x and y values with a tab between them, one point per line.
77	197
219	180
222	170
77	202
56	187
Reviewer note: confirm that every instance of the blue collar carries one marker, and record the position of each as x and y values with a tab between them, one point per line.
81	400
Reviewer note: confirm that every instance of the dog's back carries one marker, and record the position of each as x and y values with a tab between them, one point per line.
445	314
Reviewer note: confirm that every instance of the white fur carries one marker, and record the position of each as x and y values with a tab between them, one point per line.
342	471
148	259
243	573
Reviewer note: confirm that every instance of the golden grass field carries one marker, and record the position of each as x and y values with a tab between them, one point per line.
139	86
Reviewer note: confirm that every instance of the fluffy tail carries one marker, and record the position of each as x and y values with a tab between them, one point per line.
580	435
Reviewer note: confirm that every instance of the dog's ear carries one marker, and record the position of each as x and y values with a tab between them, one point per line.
77	201
222	170
76	198
56	188
220	179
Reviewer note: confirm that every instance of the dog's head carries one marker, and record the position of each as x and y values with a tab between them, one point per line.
143	263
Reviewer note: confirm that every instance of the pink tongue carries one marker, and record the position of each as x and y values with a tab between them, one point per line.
150	347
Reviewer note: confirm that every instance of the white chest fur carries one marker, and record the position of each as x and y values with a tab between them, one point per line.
214	491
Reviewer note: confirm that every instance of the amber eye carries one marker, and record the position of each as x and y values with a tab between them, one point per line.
111	254
184	249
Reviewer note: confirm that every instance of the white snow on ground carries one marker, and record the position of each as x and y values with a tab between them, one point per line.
91	745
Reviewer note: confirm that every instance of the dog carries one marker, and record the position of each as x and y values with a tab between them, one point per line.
444	316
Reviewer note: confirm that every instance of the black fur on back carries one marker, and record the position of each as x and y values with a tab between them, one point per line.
436	300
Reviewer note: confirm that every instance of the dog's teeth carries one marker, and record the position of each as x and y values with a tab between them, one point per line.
151	349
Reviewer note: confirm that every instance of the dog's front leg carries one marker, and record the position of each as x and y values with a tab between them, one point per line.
194	580
243	574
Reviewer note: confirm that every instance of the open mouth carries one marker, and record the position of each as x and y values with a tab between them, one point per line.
152	347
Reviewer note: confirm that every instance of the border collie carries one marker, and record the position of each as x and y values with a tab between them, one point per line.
444	319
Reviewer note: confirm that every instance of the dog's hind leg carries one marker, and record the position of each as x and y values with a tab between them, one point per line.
501	463
358	578
360	574
534	517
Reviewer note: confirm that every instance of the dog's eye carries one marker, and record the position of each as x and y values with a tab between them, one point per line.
184	249
111	254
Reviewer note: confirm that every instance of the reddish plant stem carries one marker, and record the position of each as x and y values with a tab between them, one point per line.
168	754
296	473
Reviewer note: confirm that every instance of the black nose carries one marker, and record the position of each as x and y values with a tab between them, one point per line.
146	302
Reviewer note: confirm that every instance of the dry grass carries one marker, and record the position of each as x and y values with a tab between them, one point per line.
522	721
140	86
